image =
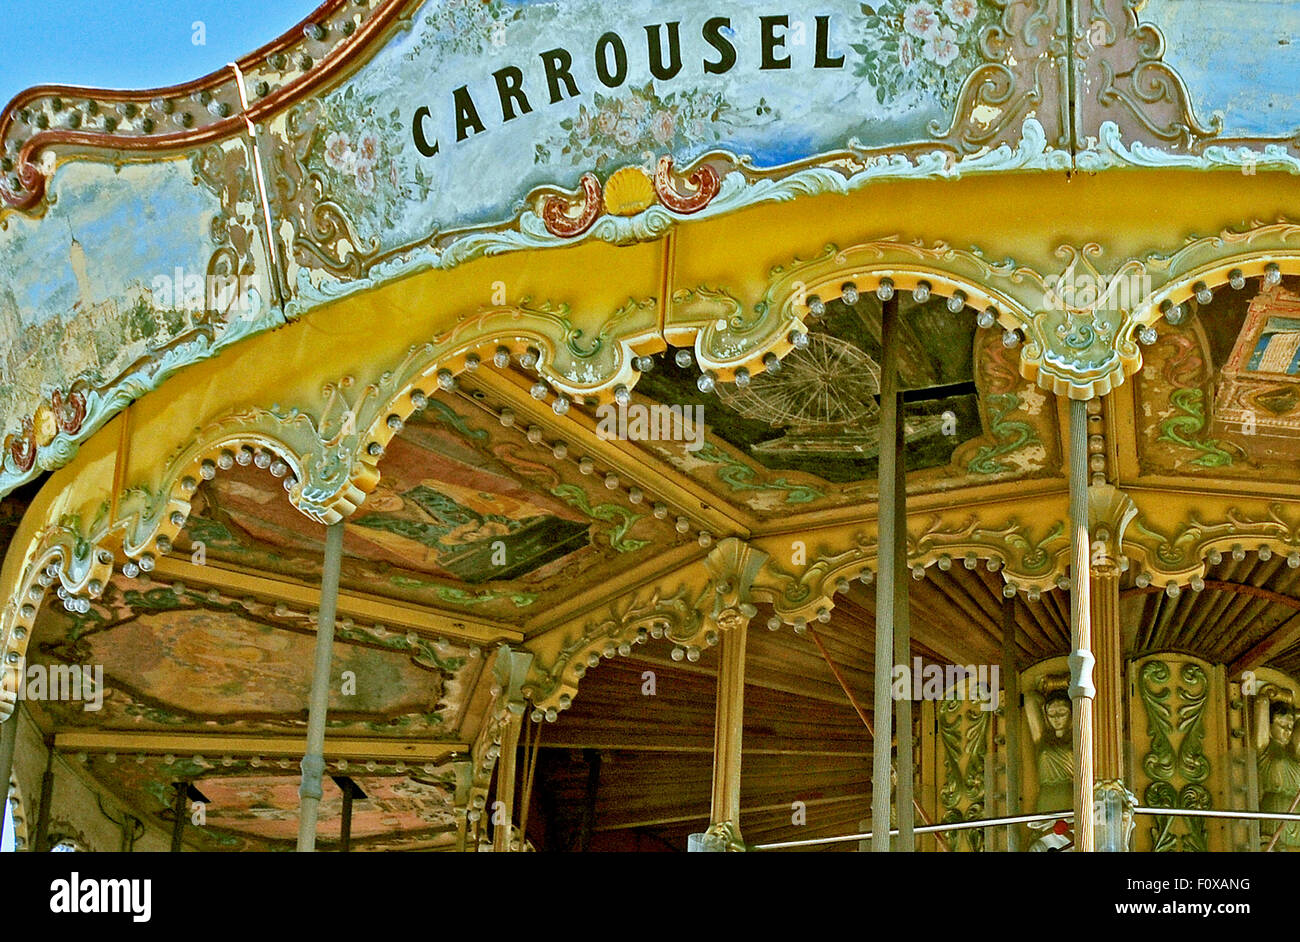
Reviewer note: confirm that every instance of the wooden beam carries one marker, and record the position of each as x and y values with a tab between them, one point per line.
237	583
1282	637
630	746
680	491
220	744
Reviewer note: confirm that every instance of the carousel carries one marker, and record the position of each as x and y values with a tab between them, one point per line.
536	425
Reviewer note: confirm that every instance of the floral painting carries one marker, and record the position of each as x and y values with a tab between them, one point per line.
926	45
641	122
356	151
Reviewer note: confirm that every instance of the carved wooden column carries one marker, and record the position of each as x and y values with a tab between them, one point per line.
733	566
1108	715
501	734
503	810
1109	513
729	721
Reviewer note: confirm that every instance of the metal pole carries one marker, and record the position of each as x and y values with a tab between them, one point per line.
345	835
1081	659
1011	693
313	762
862	715
927	829
902	641
42	842
886	585
1028	819
178	812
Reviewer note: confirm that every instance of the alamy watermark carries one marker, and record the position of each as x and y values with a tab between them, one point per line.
975	682
1086	290
190	291
68	683
656	422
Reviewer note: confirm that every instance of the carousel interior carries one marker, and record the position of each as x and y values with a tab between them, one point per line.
492	525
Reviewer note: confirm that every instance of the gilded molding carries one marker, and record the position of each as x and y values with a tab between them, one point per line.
144	124
1080	327
1110	511
1178	557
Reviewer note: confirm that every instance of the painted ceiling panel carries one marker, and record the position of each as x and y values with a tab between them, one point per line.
195	660
252	804
1219	397
807	437
468	515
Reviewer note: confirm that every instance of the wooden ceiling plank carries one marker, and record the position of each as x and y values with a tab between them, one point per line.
219	744
1283	637
237	584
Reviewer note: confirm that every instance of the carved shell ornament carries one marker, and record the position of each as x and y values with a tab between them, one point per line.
628	191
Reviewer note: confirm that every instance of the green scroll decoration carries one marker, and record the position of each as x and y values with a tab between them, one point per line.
963	733
1183	429
1178	773
622	519
741	477
1010	435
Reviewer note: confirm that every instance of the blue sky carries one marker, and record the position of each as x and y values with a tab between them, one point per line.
133	43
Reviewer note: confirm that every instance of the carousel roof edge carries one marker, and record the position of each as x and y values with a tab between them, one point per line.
345	155
214	107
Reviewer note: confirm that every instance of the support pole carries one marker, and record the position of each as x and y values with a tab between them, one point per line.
503	812
345	828
313	762
42	842
178	813
1011	712
862	715
887	579
729	720
1081	659
902	640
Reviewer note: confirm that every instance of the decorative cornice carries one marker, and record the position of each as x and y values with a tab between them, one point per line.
138	124
1078	328
1179	557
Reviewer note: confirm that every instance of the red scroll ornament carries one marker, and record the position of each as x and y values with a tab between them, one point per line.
704	184
570	216
22	447
557	212
68	413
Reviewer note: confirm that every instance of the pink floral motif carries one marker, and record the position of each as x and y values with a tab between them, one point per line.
906	54
920	19
941	48
626	132
961	12
663	127
338	152
365	179
606	122
368	150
